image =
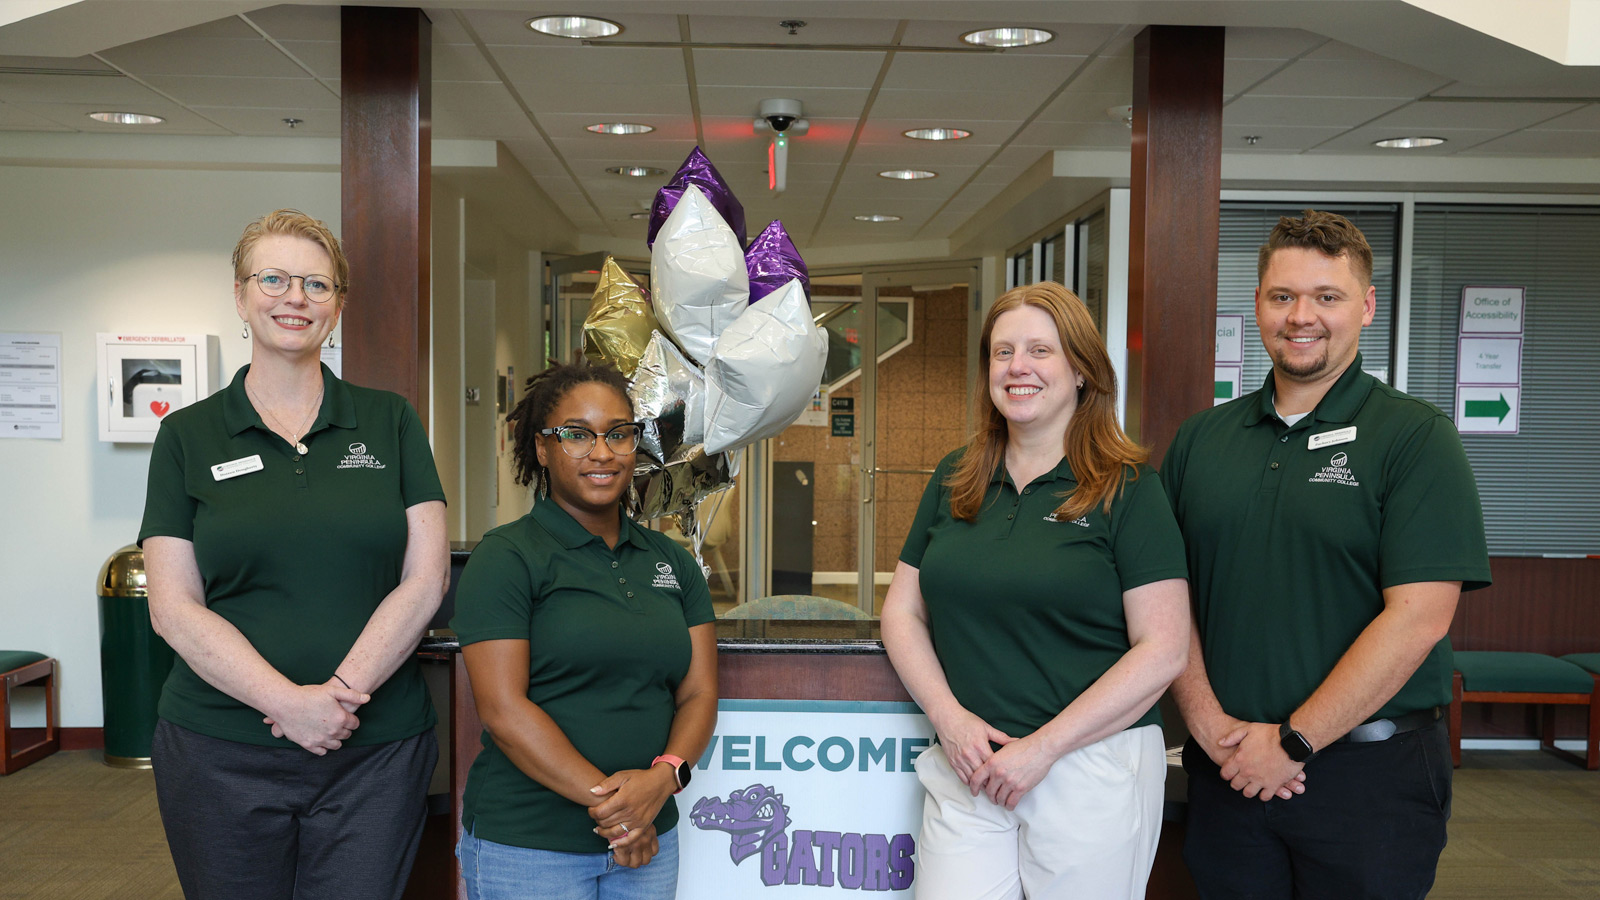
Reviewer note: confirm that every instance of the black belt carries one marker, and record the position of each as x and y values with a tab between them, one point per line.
1383	729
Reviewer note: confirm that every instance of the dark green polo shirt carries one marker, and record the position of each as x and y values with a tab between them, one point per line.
298	554
608	645
1026	611
1294	532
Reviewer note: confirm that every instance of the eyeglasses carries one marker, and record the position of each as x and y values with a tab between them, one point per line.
577	441
275	283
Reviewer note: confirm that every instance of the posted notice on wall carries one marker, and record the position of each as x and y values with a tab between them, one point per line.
1489	359
802	798
1229	381
30	385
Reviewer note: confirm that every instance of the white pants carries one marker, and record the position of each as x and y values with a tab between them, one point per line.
1088	830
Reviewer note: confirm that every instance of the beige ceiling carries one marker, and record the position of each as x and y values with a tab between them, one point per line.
1295	90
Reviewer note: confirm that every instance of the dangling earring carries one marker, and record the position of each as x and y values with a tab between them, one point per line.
544	484
245	331
330	340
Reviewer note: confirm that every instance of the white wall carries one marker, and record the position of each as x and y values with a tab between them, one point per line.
96	250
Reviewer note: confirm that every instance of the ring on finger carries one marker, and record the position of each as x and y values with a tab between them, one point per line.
624	827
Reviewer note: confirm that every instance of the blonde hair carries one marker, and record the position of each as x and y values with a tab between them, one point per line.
294	223
1096	447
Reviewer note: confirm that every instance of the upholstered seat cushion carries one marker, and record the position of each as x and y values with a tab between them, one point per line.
1589	662
16	659
1500	670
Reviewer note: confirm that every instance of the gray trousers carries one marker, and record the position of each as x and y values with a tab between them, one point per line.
278	823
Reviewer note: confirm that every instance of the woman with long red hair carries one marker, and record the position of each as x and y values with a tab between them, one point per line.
1038	612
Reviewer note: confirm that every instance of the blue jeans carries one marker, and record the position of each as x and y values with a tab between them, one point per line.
500	872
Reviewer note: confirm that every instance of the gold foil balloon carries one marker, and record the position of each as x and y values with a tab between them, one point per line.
620	320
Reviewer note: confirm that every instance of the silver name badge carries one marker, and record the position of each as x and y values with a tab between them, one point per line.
235	468
1330	438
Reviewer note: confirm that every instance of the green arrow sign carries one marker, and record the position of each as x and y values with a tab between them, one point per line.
1488	409
1222	390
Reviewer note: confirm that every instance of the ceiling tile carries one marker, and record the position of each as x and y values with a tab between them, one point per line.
605	100
1031	75
293	22
1275	138
276	93
765	30
265	121
1505	116
1305	111
1027	156
1072	106
1070	40
224	28
446	28
15	118
1104	133
594	65
509	27
79	63
1585	119
952	106
72	89
909	154
463	109
1349	78
76	117
1239	75
1581	144
168	55
461	62
321	57
572	125
824	103
1360	140
599	147
1269	43
763	68
1105	75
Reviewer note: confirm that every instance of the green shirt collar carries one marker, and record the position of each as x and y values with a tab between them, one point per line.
570	535
1062	472
1340	404
239	414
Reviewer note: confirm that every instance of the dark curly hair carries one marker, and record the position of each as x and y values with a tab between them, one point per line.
540	396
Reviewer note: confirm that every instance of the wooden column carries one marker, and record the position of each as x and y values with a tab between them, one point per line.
385	160
1172	244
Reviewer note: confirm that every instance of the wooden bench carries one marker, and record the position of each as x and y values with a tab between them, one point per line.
1494	676
18	668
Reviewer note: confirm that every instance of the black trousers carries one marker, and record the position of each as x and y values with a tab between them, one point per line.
278	823
1371	824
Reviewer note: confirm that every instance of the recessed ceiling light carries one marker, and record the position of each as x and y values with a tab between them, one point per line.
937	134
575	26
126	118
1408	143
876	217
1008	37
1123	114
908	174
636	171
639	215
620	128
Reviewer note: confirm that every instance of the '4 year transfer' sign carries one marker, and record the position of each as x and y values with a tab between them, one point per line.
801	798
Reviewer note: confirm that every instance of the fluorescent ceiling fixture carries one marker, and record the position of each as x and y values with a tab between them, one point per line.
620	128
126	118
575	26
937	134
636	171
1008	37
1408	143
639	215
875	217
908	174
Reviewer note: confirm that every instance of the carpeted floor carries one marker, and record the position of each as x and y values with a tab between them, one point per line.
1526	825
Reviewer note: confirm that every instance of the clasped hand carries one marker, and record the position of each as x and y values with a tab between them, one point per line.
631	799
1005	775
1254	763
318	717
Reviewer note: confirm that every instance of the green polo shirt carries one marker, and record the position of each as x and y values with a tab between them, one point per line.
1025	610
1294	532
299	552
608	645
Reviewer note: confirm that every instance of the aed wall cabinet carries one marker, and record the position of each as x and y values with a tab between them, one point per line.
143	378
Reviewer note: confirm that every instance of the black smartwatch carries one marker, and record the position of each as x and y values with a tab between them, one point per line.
1294	743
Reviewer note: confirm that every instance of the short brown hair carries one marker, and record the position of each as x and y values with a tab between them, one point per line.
1327	233
294	223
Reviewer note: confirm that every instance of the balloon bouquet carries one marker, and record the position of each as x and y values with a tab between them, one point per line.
725	353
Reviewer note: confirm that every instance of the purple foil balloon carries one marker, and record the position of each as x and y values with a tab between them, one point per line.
698	171
773	262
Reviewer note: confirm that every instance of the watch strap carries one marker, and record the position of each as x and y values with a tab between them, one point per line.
1294	743
677	763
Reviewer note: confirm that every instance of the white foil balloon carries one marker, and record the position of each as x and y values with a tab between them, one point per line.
765	369
697	275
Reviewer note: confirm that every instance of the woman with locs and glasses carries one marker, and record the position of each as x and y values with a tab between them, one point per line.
590	644
294	542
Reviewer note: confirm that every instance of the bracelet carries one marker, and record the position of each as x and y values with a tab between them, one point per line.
342	681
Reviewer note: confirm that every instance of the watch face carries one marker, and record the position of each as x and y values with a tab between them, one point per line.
684	772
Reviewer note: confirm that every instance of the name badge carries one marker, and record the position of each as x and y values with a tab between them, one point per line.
1330	438
237	467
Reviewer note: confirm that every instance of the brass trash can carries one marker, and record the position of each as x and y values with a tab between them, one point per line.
134	660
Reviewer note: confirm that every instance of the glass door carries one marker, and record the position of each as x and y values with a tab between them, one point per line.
567	295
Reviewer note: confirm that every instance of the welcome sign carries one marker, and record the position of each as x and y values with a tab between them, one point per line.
803	798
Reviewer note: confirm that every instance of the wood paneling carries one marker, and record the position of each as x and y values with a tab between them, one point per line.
1175	216
385	160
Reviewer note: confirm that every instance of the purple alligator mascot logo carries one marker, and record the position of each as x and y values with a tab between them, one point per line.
756	821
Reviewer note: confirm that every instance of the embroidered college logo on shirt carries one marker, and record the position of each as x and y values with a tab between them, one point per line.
664	577
1081	521
359	458
1337	471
